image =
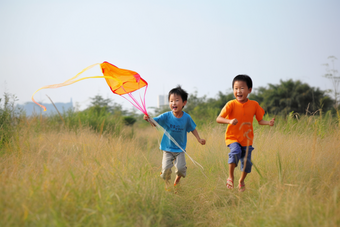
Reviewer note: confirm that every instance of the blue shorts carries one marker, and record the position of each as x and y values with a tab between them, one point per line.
237	152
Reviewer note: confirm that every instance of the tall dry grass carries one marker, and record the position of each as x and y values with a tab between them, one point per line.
81	178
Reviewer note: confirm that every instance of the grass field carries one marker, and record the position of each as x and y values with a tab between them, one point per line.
81	178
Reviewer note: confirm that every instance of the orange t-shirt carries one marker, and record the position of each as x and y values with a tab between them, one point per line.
243	113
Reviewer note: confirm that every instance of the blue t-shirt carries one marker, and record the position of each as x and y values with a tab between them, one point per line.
177	128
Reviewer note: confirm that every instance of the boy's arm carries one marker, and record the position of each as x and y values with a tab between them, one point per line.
223	120
201	141
271	122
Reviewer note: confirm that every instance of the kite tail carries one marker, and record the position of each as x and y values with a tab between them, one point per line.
69	82
175	142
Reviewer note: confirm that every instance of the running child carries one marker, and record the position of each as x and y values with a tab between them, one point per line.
239	114
177	123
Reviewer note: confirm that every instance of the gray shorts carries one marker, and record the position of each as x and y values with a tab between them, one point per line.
169	160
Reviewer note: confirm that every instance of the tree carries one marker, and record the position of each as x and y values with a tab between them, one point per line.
8	117
332	76
293	96
99	104
193	101
129	120
256	94
221	100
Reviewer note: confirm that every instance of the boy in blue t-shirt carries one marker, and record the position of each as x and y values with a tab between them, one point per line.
177	123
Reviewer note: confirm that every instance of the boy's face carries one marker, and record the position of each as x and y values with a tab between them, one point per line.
176	103
241	91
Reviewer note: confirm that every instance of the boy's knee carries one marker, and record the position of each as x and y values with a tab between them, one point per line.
235	153
248	167
233	159
166	174
182	171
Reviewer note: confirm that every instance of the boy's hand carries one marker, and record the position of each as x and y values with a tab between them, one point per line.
146	117
234	121
201	141
272	121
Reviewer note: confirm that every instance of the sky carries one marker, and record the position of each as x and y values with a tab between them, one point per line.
200	45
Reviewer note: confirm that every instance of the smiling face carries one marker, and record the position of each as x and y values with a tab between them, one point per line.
176	103
241	91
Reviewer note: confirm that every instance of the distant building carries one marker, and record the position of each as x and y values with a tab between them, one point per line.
162	101
31	108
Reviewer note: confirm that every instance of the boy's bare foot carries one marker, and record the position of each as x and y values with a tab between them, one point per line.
177	180
230	183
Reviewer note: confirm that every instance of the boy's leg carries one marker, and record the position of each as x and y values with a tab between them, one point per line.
242	178
166	166
177	180
234	157
181	168
230	180
247	164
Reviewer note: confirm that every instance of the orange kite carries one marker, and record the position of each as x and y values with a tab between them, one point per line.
121	82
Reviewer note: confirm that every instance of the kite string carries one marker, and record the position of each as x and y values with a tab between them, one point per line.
143	100
135	102
141	109
175	142
142	106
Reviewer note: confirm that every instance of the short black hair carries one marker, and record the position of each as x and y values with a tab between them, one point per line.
179	91
245	78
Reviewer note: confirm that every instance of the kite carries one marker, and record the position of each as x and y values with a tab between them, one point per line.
121	82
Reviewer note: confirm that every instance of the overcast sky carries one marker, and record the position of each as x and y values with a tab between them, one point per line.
201	45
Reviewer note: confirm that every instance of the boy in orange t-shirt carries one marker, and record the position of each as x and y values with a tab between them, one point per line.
239	113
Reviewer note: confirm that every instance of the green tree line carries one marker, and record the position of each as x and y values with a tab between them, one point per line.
102	116
105	116
277	99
